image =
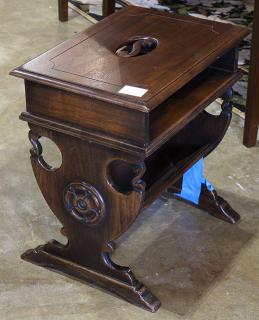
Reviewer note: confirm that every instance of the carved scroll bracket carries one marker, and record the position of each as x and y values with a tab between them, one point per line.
126	177
37	150
227	103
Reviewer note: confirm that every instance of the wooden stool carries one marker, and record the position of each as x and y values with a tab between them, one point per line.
124	101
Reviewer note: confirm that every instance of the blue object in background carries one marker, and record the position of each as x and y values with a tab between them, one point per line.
192	181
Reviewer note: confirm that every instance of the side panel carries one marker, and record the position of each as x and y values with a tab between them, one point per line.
95	116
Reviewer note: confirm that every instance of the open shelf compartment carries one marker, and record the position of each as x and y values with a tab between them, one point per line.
172	115
168	163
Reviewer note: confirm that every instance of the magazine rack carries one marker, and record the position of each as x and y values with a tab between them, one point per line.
124	102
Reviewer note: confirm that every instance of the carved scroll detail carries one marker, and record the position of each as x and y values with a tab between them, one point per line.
137	182
126	177
37	150
227	103
84	202
93	212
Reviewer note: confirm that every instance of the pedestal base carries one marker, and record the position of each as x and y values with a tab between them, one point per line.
136	294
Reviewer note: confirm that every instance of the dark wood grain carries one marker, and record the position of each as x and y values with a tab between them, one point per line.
194	141
81	198
252	107
120	152
93	115
134	127
186	104
211	202
88	64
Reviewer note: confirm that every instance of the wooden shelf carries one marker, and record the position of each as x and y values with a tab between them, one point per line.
172	115
196	140
167	168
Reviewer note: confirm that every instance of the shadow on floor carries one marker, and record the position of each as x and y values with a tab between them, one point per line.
187	256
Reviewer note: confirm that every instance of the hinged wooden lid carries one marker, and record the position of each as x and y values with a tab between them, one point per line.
110	62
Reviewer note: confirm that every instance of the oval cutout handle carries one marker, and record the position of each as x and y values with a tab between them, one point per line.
136	46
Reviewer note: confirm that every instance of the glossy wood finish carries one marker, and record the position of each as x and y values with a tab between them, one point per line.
210	202
189	101
98	72
252	113
84	202
120	152
145	132
252	107
196	140
126	124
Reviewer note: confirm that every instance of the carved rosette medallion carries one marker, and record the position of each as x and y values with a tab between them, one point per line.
84	202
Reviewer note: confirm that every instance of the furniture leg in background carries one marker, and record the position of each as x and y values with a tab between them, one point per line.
252	108
193	187
108	8
63	10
